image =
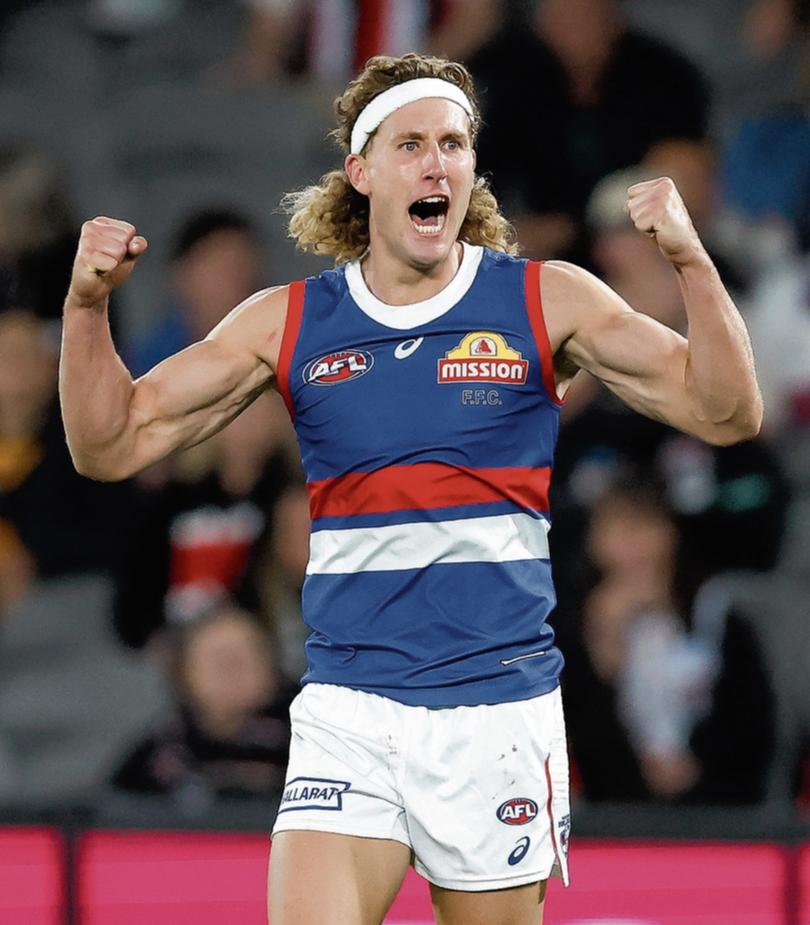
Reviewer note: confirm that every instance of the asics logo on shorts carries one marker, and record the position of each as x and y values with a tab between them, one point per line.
519	852
313	793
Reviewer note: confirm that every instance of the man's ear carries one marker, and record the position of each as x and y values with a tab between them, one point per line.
355	167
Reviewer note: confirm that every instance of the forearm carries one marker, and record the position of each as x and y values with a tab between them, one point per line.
95	391
720	377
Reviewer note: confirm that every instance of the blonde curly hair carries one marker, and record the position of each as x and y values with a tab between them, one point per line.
333	218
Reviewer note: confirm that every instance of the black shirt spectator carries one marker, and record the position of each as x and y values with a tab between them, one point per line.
230	735
67	523
203	536
558	119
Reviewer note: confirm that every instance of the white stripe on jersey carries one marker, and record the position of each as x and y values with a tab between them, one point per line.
502	538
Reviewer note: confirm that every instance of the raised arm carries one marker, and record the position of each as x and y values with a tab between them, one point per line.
115	427
704	384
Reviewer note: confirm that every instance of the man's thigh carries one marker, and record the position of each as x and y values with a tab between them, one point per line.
319	877
520	905
486	796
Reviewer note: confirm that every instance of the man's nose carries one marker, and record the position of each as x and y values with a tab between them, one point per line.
434	162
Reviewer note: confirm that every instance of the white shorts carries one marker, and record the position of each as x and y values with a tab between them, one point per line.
480	794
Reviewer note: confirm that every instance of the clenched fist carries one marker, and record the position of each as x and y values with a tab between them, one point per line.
108	250
657	210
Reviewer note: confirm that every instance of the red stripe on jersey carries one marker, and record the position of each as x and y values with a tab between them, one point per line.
292	325
425	486
534	305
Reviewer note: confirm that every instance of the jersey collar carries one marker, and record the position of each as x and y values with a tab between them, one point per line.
404	317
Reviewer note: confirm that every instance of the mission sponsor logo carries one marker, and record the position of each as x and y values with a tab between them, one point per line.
517	811
341	366
313	793
483	356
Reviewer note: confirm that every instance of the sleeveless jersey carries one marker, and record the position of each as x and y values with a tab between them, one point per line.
427	435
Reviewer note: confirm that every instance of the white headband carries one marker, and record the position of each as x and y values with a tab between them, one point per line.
400	95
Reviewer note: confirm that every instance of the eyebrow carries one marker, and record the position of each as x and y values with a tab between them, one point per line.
420	136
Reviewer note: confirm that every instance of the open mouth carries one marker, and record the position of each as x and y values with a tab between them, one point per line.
428	215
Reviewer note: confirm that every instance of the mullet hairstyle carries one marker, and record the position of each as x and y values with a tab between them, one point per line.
333	218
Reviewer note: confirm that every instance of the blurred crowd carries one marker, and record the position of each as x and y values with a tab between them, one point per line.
151	637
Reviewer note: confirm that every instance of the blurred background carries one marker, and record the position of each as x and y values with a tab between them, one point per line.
150	631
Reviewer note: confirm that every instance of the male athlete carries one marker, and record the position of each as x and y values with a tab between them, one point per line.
424	376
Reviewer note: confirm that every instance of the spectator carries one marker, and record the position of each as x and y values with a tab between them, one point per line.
778	316
768	73
203	535
731	501
16	568
460	28
271	48
66	523
571	100
332	39
767	183
668	693
766	131
230	735
37	235
215	265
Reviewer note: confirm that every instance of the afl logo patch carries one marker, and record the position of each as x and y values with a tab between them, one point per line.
517	811
483	356
338	367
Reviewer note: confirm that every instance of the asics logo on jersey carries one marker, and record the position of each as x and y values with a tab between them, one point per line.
517	811
313	793
341	366
483	356
407	347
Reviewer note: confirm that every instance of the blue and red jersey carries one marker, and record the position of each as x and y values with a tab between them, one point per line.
427	435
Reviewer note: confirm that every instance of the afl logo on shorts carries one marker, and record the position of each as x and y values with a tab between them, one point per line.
338	367
517	811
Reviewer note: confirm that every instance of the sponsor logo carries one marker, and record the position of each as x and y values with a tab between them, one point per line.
564	826
517	811
340	366
483	356
407	347
313	793
519	851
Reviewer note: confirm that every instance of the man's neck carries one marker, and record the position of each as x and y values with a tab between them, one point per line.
398	283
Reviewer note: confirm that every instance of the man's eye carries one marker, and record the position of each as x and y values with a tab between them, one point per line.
453	145
409	145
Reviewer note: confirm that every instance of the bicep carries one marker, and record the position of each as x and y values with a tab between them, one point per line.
640	360
635	356
198	391
194	394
